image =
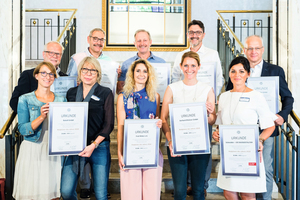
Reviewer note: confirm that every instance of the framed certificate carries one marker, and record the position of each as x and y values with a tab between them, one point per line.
269	87
207	74
67	124
189	129
239	150
141	143
163	71
109	74
62	84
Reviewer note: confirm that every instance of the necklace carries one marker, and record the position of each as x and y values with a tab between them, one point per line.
232	115
195	93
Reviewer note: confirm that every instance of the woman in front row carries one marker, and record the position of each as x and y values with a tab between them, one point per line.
188	90
37	174
139	100
242	105
100	125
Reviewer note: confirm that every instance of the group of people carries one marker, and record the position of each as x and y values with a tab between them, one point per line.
39	176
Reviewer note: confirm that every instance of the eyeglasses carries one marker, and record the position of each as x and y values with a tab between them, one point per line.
197	33
44	74
96	39
86	70
51	53
255	48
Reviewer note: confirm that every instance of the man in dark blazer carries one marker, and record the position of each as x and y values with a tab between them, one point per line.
254	50
27	82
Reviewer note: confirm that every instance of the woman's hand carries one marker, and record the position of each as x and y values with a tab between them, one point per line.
121	162
44	110
209	107
159	123
216	135
260	150
87	152
171	150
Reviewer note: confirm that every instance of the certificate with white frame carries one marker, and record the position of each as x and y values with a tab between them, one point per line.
163	71
109	74
269	87
207	74
141	143
67	124
239	150
189	129
62	84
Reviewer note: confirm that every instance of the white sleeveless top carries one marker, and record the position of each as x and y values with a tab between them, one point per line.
188	94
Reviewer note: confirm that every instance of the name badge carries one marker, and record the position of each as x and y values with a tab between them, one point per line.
244	99
95	98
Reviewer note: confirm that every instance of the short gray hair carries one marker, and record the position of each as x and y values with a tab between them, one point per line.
257	36
142	30
53	42
92	61
96	29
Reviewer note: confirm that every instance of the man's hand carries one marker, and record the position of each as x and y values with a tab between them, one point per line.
279	121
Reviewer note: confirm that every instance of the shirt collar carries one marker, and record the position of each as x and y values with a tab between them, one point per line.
136	57
89	53
259	65
201	50
57	71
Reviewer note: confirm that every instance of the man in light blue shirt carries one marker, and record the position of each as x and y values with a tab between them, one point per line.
142	41
96	40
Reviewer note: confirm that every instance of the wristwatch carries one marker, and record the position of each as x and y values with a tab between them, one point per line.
262	140
96	144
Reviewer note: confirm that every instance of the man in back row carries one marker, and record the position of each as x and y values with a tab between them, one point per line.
96	40
142	41
27	83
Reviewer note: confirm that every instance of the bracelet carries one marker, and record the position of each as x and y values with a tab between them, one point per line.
96	144
262	140
170	141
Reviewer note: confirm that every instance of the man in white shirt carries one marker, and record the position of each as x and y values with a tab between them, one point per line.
195	34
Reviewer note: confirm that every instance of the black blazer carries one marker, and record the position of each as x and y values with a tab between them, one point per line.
287	99
26	83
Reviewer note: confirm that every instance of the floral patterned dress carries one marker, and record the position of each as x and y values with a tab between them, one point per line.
138	106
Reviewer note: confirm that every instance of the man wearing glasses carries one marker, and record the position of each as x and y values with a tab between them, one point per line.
96	40
254	50
195	34
27	83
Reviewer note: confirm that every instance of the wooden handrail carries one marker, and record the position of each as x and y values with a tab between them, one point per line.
7	124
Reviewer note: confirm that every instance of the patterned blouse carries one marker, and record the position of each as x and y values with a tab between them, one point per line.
138	106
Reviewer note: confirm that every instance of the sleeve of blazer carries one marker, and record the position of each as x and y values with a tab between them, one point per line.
287	99
23	87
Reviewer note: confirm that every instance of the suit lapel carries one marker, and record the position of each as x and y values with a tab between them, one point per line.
265	69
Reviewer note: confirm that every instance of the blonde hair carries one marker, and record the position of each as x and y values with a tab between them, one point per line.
151	83
142	30
190	54
49	65
92	61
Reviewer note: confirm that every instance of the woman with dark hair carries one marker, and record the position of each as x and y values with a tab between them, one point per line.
100	125
139	100
37	175
242	105
188	90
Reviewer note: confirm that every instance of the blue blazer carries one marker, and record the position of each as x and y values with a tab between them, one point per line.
287	99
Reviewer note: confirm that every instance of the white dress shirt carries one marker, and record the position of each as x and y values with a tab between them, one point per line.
256	71
206	55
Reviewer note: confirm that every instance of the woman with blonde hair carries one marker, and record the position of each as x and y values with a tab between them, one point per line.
100	125
188	90
139	100
37	175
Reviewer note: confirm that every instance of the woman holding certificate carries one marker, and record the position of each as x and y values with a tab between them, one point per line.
139	100
37	175
188	90
100	124
243	106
